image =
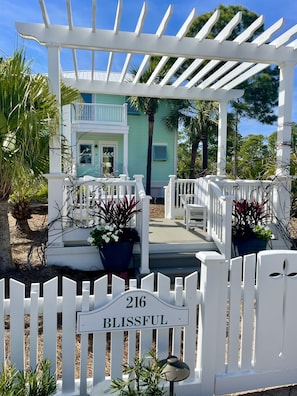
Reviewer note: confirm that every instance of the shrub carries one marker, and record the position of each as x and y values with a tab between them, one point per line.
144	377
37	382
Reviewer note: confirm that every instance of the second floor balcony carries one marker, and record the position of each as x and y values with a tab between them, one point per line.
98	113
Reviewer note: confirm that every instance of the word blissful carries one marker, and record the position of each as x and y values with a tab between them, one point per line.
134	321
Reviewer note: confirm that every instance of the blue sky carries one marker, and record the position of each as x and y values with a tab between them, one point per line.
29	11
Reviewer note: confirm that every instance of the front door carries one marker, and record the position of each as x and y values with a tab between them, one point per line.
108	157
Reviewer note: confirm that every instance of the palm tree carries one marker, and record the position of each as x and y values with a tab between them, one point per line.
148	106
199	119
28	117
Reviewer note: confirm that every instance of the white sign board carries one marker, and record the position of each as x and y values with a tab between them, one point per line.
134	309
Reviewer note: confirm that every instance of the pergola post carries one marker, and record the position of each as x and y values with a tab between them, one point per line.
55	85
283	150
55	178
222	139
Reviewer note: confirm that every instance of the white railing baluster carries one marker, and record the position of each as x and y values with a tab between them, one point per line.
100	113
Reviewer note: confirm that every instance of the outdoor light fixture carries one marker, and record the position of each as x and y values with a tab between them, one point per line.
174	370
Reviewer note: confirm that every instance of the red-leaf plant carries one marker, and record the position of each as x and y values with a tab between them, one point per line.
247	214
115	215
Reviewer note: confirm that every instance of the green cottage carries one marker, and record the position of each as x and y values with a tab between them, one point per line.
109	138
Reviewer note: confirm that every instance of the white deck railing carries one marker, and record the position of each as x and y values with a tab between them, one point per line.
233	340
100	113
219	223
217	194
79	213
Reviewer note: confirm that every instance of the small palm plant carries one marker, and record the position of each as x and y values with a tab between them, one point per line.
38	382
143	377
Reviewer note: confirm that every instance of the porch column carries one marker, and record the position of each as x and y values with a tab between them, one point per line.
283	149
55	177
125	153
55	85
222	139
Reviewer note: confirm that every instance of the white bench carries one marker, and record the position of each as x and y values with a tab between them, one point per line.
195	213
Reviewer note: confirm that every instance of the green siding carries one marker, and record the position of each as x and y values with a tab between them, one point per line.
137	143
138	140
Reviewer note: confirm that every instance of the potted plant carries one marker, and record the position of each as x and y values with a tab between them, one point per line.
249	234
114	237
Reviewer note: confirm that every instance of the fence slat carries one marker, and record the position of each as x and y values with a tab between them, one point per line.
68	335
248	298
163	334
84	338
99	339
276	286
234	314
34	295
146	336
132	333
190	330
50	292
177	331
17	338
2	322
117	338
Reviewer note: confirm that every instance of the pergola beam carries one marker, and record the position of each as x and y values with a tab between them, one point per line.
167	91
150	44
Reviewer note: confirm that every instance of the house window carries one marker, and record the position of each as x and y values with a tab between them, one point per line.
85	153
159	152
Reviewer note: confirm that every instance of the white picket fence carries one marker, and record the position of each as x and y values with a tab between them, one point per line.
240	332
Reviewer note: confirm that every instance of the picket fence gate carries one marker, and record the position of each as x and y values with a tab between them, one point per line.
240	332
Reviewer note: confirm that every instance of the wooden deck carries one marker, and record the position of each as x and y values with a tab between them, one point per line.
172	248
171	236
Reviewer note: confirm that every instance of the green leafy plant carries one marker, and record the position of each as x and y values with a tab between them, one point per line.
144	377
262	232
246	215
37	382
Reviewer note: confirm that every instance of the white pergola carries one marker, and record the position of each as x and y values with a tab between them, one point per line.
232	62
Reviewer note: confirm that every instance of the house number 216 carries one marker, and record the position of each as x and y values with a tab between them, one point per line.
136	302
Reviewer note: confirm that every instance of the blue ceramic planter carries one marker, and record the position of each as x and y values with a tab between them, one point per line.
116	257
248	246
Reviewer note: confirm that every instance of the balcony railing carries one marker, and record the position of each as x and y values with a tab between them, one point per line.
100	113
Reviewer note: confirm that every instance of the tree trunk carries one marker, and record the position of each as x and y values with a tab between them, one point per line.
205	153
5	251
195	145
151	120
21	211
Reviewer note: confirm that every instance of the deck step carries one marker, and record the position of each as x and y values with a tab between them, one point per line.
173	260
189	247
173	265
